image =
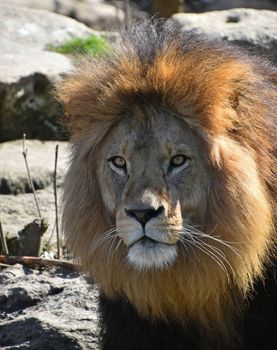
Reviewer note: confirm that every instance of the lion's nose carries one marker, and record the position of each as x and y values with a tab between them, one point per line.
144	215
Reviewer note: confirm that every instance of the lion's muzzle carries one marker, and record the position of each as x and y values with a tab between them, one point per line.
144	215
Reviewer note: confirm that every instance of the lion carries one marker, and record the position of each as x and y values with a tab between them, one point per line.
170	196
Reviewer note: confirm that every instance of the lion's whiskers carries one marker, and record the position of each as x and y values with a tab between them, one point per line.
192	236
109	236
110	251
192	229
120	241
101	239
205	250
219	252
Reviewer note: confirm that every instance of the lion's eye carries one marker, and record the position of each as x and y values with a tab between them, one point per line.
178	160
178	163
119	162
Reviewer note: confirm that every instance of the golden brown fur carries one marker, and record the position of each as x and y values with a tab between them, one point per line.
228	99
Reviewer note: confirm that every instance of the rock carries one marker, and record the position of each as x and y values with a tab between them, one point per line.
255	30
30	238
38	28
40	158
50	309
28	71
27	105
93	13
99	16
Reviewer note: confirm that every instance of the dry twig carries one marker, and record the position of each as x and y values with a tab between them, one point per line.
127	14
3	241
114	3
35	262
24	152
56	201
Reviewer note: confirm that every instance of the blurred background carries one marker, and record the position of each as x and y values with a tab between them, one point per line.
108	15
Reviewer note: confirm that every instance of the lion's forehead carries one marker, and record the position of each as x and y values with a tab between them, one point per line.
161	133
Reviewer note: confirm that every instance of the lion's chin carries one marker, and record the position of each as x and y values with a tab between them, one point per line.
147	254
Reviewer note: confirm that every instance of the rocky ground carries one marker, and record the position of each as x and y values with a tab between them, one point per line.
53	309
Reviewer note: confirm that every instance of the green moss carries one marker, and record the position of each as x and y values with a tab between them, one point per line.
92	45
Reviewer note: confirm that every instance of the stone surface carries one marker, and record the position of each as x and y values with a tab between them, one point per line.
28	71
30	238
37	28
255	30
95	14
50	309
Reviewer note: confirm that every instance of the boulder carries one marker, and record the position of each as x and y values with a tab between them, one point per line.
93	13
28	70
51	310
255	30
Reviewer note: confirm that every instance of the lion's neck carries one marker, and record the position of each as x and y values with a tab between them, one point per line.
174	294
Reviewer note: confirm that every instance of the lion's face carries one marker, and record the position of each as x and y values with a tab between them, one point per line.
153	180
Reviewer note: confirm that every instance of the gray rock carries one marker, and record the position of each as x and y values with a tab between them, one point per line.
93	13
27	105
255	30
51	309
30	238
28	71
38	28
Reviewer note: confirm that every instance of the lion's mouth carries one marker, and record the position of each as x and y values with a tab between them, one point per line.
147	240
147	253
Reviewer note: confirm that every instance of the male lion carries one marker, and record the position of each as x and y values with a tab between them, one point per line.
169	198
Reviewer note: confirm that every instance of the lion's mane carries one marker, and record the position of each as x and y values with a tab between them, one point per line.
230	100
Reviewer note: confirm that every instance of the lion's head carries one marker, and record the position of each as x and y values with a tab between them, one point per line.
153	177
168	198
